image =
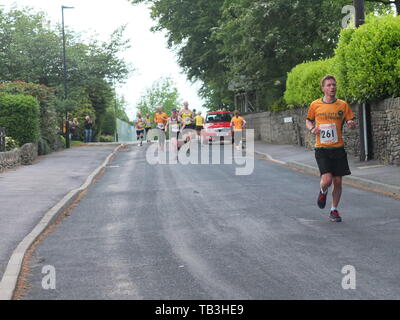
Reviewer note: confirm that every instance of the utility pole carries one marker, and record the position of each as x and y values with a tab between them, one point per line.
67	142
363	112
115	113
360	12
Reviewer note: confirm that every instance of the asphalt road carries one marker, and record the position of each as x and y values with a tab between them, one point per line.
201	232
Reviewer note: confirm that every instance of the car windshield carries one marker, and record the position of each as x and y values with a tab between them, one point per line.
219	117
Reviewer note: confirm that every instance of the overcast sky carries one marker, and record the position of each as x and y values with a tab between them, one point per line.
148	54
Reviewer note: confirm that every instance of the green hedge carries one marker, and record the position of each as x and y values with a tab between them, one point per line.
368	67
19	115
303	82
46	96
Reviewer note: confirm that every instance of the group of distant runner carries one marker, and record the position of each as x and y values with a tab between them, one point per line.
183	121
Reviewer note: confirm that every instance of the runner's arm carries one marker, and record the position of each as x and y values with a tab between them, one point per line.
310	124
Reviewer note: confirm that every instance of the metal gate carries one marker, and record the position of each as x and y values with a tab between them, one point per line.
125	132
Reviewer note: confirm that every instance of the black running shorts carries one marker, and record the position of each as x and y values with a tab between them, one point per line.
190	126
332	161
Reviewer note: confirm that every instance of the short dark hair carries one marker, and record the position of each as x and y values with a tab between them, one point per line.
327	77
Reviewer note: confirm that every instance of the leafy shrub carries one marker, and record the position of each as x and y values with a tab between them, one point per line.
62	140
19	115
303	82
46	98
11	144
368	66
106	138
43	147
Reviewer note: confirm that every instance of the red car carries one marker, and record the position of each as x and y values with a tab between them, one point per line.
217	126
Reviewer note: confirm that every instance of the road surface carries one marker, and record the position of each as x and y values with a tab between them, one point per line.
201	232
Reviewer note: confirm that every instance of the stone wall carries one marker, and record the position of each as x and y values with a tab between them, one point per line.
385	130
24	155
385	122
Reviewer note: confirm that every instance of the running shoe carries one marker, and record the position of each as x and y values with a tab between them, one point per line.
334	216
321	200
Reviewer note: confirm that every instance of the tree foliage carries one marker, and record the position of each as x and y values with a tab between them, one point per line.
162	93
31	51
248	45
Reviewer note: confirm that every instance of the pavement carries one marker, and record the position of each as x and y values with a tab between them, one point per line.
369	174
28	192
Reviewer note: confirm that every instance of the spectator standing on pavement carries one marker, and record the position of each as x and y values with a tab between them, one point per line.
325	119
88	126
73	129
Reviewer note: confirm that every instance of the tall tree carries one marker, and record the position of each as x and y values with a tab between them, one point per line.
162	93
190	25
247	44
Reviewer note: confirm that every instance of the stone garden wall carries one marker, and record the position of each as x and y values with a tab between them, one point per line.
24	155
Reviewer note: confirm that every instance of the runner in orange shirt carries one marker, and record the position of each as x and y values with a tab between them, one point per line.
161	118
325	119
238	124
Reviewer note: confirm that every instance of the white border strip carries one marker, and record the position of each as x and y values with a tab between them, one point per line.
10	277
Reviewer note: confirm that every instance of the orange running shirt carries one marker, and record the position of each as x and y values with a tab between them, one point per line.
237	123
160	117
329	117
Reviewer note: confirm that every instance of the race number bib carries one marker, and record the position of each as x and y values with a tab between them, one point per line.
160	126
328	133
139	125
174	127
188	120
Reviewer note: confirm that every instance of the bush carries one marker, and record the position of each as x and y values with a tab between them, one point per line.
19	115
303	82
368	58
106	138
47	100
63	142
11	144
43	147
